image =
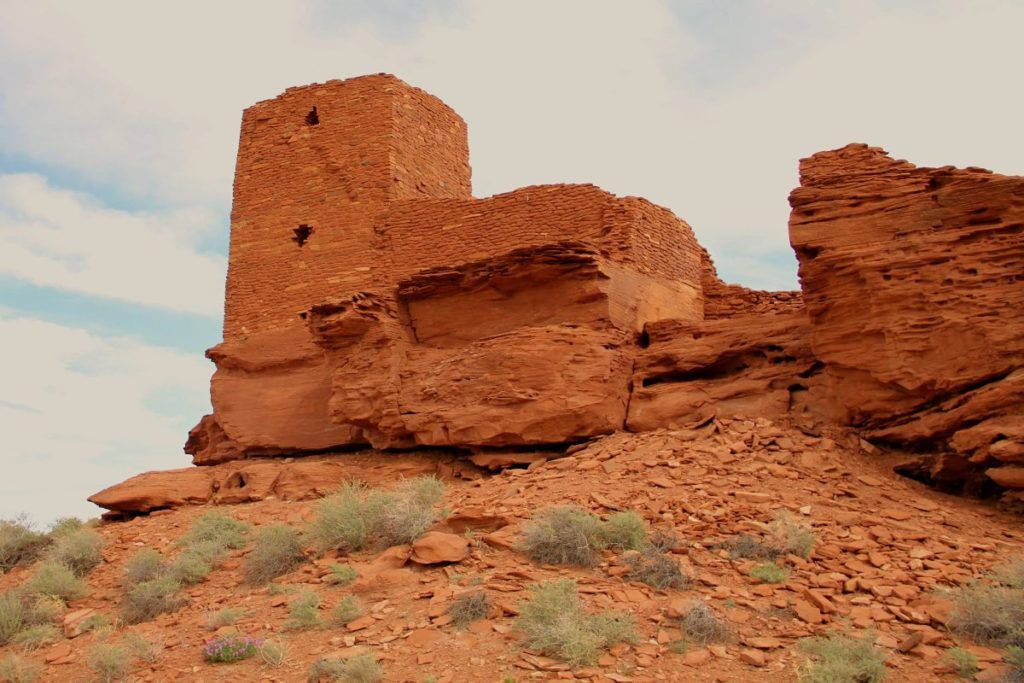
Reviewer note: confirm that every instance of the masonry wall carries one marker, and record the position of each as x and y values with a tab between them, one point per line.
315	168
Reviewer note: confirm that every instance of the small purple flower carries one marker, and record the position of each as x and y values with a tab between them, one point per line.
231	648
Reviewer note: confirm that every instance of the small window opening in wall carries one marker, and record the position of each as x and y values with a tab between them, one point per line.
312	118
302	234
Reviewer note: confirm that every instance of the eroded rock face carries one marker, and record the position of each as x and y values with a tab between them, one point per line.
914	285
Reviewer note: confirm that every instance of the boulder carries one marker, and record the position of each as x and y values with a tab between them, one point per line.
438	547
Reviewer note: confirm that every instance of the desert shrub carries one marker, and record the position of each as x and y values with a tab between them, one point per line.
67	525
274	653
142	648
554	623
276	550
962	662
341	573
359	669
228	616
194	563
349	609
19	543
57	580
469	607
1009	573
80	550
1014	659
624	531
110	661
747	547
96	622
304	611
148	599
663	539
12	615
769	572
230	649
840	658
656	568
217	529
991	615
355	517
35	637
144	565
700	625
15	669
563	535
790	536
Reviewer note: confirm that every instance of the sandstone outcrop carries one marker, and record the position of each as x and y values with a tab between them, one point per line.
913	280
372	301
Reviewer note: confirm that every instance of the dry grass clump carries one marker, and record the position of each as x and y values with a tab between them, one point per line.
80	549
276	550
841	658
553	622
274	653
228	616
700	625
563	535
656	568
304	611
624	531
15	669
35	637
469	607
341	573
962	662
110	661
21	611
359	669
769	572
1009	573
791	536
218	529
56	580
991	615
147	600
349	609
356	517
19	543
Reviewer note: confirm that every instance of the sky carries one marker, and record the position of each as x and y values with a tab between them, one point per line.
119	125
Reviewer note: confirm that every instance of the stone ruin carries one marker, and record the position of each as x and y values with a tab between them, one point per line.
372	301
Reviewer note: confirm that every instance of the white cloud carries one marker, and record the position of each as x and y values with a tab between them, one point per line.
80	412
67	240
148	97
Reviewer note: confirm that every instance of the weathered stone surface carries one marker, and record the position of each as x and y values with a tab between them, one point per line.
436	547
913	283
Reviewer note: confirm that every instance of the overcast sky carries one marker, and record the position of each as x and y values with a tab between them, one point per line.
119	123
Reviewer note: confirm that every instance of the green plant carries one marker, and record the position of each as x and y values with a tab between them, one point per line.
15	669
679	646
304	611
96	622
80	550
144	565
231	649
554	623
224	617
66	525
12	615
656	568
790	536
19	543
700	625
110	662
747	547
358	669
1009	573
142	648
276	550
34	637
20	610
769	572
274	653
469	607
841	658
217	530
57	580
194	563
624	531
341	573
1014	659
963	662
349	609
992	615
146	600
563	535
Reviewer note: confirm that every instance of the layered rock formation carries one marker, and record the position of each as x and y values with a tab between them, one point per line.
914	284
373	302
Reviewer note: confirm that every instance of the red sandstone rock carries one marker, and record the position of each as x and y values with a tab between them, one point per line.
912	281
436	547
